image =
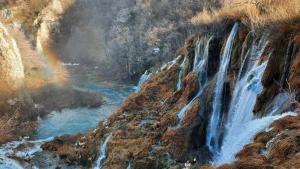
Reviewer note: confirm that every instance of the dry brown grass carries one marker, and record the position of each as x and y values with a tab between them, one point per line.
253	12
26	9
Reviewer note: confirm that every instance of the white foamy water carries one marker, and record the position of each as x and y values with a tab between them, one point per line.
7	163
247	131
11	150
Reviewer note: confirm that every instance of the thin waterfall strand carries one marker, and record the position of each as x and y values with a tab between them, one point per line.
102	158
180	75
142	80
200	68
213	132
129	166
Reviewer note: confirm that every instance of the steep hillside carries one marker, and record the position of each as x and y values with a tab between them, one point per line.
182	117
229	99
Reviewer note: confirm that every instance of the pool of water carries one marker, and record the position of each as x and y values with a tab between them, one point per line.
74	121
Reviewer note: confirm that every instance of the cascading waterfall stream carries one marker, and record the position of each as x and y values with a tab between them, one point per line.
129	166
247	131
142	80
241	125
213	134
240	113
251	78
200	67
180	75
102	157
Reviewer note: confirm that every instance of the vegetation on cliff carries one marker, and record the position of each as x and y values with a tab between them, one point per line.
243	58
147	131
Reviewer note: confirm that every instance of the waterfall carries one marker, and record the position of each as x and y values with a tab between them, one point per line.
182	68
240	112
246	133
213	134
200	67
142	80
241	125
129	166
248	86
102	157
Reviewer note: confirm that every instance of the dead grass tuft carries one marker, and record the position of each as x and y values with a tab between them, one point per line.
253	12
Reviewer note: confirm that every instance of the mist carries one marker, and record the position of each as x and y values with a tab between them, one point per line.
119	40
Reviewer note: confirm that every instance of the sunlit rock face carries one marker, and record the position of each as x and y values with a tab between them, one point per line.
11	67
30	70
48	20
48	23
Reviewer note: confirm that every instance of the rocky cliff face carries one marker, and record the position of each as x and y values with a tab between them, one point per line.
151	130
30	70
11	82
11	66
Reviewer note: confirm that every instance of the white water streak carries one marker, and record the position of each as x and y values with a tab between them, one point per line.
142	80
180	74
129	166
200	67
213	133
102	157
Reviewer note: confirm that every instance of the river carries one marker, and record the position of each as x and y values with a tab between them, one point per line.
67	121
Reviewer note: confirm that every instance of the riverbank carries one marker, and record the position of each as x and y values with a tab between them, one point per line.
27	152
20	114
